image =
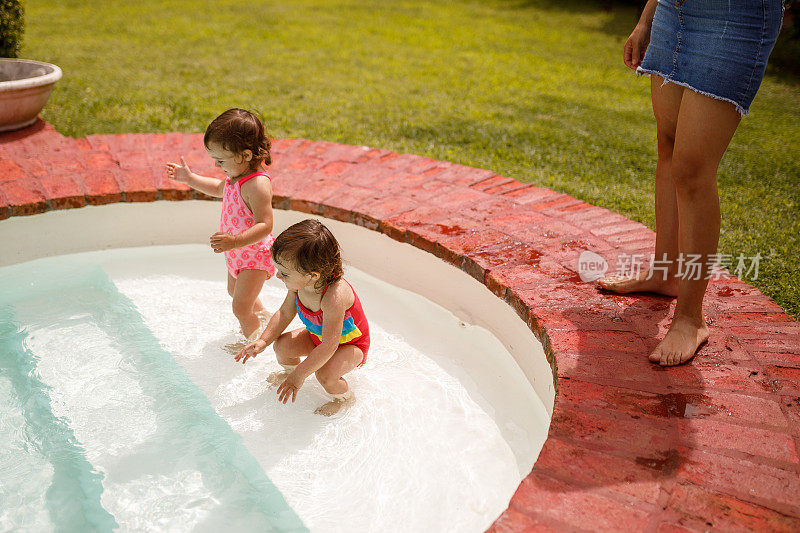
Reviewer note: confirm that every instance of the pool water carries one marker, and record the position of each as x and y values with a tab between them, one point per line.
121	408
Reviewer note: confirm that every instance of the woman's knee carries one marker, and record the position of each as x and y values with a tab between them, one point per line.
691	175
666	143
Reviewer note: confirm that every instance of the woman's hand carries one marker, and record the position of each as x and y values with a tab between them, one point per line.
636	45
251	350
290	386
222	242
179	172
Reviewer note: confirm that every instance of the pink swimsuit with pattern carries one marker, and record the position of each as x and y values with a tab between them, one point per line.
236	218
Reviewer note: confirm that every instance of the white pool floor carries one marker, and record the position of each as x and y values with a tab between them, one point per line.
120	407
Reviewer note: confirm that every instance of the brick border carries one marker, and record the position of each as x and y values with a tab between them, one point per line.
711	444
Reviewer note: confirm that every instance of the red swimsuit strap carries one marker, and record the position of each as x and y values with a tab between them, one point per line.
251	176
322	294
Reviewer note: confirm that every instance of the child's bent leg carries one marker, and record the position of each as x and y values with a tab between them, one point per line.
293	345
289	347
345	359
245	295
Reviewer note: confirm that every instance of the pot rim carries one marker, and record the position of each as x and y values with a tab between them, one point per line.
35	81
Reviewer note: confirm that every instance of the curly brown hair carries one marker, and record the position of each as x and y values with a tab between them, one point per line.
237	130
312	248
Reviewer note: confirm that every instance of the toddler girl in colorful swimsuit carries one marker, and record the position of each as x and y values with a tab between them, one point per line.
335	339
236	142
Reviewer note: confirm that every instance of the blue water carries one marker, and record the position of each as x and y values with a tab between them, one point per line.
49	473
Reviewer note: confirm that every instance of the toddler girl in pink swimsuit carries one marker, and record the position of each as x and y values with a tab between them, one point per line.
238	145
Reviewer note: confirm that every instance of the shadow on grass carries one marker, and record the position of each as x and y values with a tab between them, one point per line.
621	15
547	133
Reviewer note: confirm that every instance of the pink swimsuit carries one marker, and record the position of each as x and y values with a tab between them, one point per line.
236	218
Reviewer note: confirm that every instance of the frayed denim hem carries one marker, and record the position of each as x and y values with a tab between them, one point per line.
646	72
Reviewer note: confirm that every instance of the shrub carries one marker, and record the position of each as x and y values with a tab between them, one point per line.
786	55
12	24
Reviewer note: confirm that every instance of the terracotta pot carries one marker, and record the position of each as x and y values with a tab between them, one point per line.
25	86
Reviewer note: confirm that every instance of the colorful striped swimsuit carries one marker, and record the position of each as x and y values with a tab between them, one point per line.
236	217
355	329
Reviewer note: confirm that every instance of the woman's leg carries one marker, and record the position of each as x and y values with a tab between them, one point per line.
705	128
666	104
245	297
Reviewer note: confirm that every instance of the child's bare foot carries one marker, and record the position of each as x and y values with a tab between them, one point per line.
276	378
235	347
263	319
680	343
640	283
335	405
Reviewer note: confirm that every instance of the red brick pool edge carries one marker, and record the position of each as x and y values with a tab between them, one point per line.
712	445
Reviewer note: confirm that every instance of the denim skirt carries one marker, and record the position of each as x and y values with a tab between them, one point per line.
718	48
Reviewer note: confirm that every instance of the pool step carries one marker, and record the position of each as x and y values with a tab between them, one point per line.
72	500
114	412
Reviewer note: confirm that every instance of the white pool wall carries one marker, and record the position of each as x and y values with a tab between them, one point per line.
158	223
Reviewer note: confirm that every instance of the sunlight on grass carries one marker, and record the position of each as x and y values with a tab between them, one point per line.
534	90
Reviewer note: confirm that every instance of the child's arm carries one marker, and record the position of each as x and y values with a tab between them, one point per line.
257	195
333	318
210	186
278	322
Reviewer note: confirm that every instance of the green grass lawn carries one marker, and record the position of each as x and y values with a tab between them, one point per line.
534	90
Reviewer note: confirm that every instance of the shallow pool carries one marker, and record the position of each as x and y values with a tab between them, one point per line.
120	406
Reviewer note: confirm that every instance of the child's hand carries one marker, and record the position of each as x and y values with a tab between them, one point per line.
251	350
289	387
178	172
222	242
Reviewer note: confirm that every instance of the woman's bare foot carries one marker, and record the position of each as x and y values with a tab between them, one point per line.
334	406
680	343
625	284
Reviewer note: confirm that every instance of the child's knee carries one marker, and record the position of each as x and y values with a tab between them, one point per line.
241	308
280	346
326	378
